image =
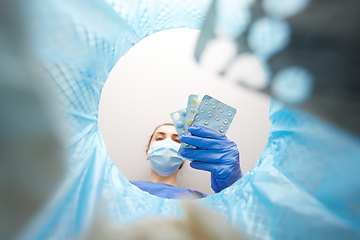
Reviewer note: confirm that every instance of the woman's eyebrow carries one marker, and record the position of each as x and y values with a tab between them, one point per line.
175	135
160	133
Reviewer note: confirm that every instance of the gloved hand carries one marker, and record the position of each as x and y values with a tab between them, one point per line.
215	153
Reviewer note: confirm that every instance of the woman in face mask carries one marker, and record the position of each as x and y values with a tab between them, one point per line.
214	153
165	163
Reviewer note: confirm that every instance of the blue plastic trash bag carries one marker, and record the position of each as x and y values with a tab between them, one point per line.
305	185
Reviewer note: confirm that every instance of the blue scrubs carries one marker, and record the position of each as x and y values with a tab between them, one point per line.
167	191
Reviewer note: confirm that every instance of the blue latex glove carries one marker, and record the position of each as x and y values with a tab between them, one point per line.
215	153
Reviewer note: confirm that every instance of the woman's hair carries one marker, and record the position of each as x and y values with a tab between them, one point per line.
165	124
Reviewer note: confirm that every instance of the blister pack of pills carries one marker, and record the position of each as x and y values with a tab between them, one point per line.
210	113
179	118
192	106
214	114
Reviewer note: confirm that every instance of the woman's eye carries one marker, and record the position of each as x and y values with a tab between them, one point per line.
177	140
159	139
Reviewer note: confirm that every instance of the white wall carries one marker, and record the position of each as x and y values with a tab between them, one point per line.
154	79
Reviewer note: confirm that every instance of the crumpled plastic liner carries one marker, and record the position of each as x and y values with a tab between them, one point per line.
305	185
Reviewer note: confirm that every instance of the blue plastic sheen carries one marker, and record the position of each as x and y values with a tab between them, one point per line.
304	186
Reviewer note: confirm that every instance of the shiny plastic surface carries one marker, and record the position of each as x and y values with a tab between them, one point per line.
305	185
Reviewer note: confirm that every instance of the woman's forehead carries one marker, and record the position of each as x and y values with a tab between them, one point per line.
167	129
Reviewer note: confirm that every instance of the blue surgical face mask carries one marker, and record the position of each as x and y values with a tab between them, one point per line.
164	158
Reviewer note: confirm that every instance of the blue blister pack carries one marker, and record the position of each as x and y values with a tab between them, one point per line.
214	114
178	118
192	106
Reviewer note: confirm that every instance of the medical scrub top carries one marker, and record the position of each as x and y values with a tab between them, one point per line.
167	191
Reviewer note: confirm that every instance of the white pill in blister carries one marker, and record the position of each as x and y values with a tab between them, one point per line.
176	116
217	118
221	130
206	122
201	110
180	125
213	105
229	114
209	114
206	102
197	118
221	109
225	122
183	113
